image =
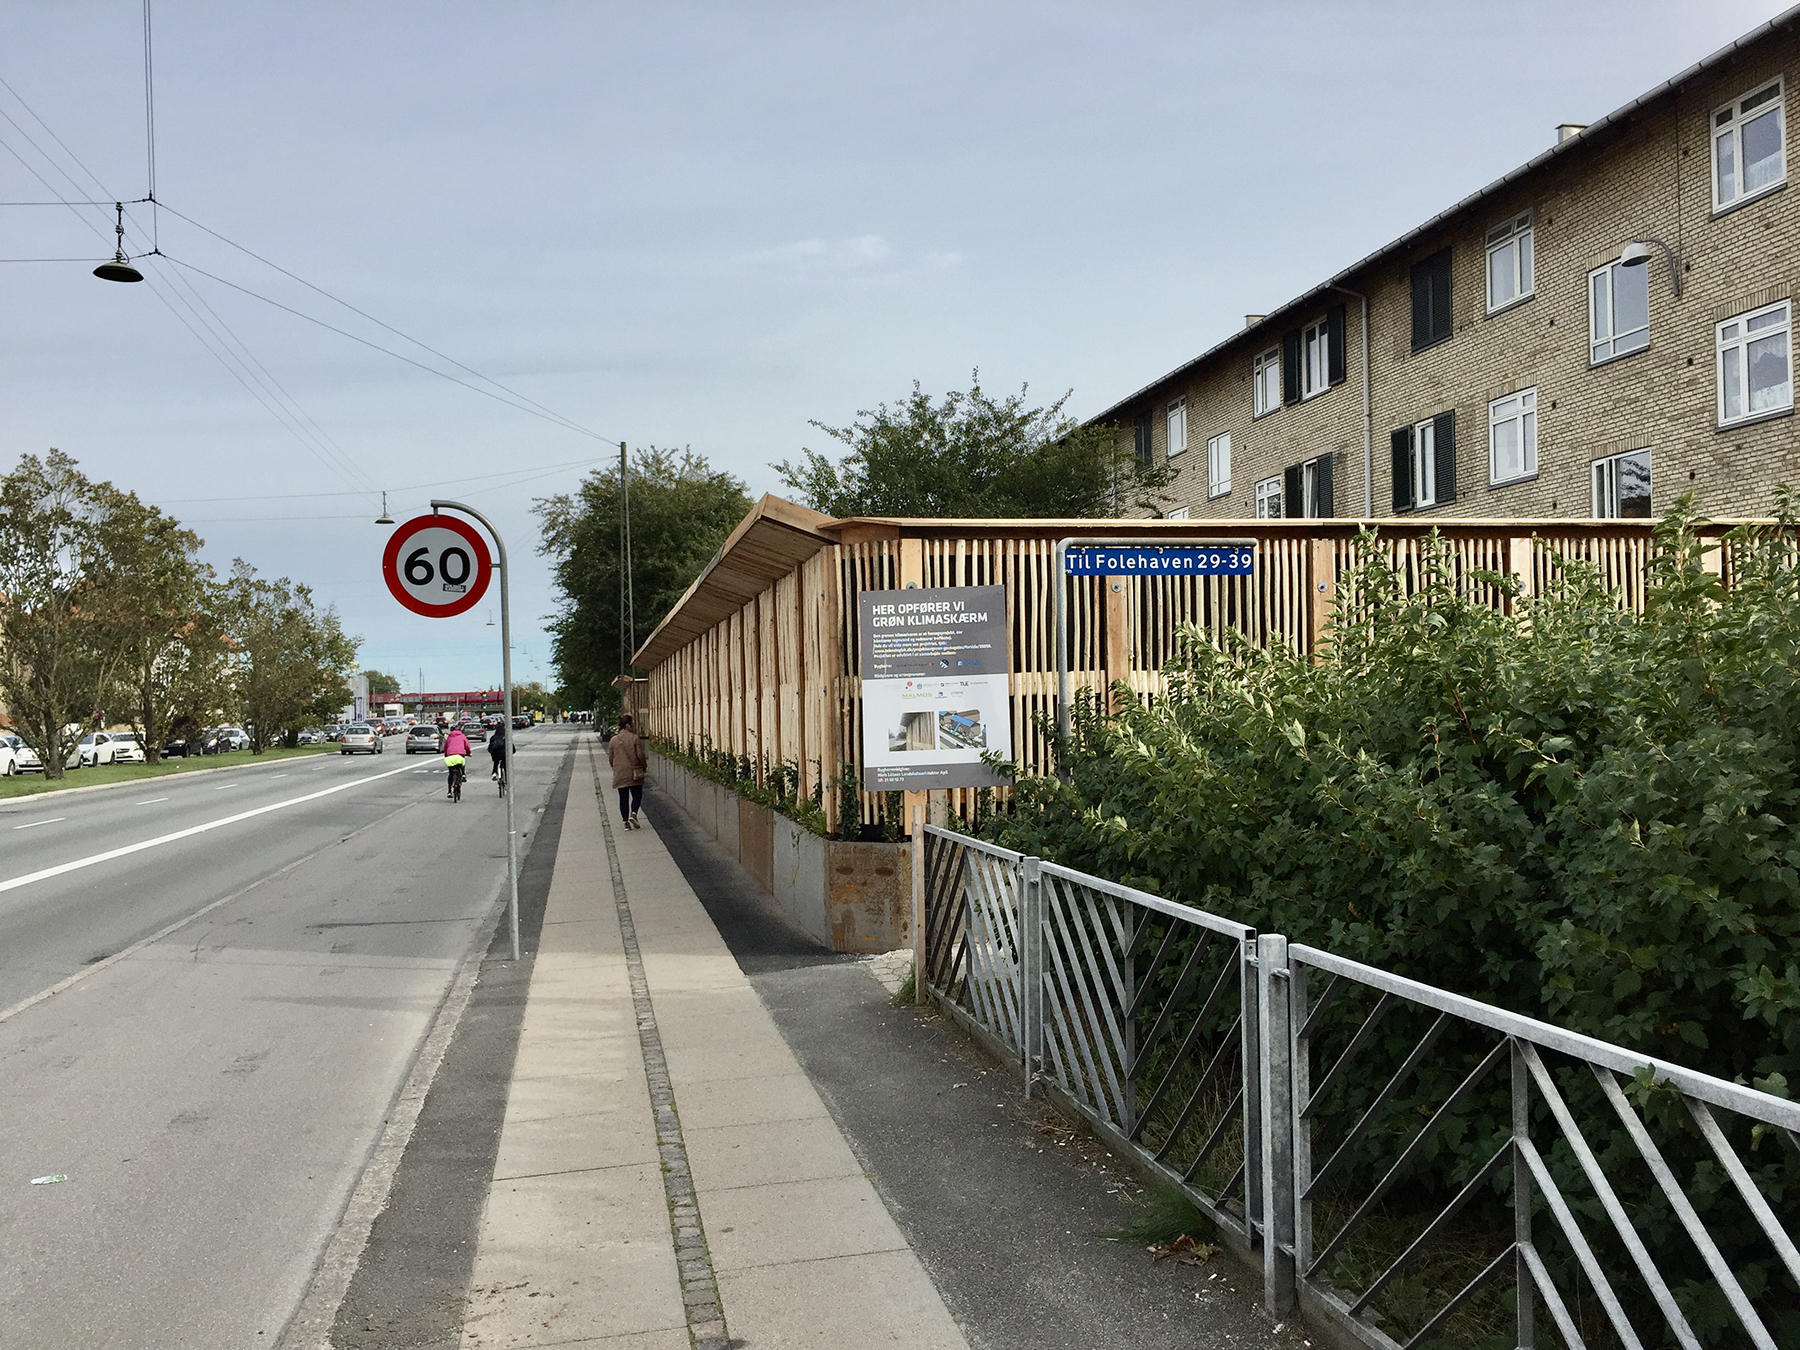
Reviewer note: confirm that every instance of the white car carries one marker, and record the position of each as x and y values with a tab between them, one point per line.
17	757
360	737
105	747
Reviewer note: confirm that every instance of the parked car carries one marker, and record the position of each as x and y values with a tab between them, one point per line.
183	743
310	736
233	738
358	737
424	737
105	747
23	758
334	731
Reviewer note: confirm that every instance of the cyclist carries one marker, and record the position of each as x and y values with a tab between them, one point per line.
496	748
456	754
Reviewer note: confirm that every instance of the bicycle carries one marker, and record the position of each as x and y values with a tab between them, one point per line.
457	773
500	776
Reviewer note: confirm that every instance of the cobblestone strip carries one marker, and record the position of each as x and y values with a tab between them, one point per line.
699	1290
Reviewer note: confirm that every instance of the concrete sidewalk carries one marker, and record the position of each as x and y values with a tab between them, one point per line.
667	1175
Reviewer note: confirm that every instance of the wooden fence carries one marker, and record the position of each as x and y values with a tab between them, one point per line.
759	659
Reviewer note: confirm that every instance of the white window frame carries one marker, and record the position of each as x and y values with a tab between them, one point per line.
1614	351
1516	235
1266	491
1218	465
1265	383
1726	125
1606	483
1740	342
1175	422
1179	513
1315	359
1519	406
1424	464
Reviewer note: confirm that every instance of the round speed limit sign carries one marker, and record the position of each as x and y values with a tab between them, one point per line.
437	565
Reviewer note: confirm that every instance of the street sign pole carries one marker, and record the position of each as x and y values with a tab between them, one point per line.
512	833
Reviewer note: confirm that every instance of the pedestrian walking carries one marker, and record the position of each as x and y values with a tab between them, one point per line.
629	760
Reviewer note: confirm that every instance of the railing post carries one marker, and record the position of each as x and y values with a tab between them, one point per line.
1031	967
915	823
1521	1198
1250	1031
1301	1078
1275	1020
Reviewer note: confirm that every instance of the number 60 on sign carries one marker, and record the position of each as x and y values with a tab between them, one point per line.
437	566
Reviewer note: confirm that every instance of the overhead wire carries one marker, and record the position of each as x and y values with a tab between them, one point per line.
536	471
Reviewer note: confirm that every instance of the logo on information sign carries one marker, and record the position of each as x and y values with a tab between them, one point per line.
437	566
1123	560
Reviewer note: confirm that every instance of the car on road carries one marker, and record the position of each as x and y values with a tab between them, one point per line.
358	737
521	721
424	737
105	747
475	731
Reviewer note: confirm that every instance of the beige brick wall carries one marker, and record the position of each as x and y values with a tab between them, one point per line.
1650	177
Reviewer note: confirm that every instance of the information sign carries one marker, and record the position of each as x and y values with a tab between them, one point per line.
437	565
1124	560
934	687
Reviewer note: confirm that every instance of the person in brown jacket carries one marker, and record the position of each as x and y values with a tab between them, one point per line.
626	751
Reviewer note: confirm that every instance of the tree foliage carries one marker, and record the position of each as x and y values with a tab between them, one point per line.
681	511
287	655
970	455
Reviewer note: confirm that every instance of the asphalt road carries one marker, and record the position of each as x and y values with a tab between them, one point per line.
212	1095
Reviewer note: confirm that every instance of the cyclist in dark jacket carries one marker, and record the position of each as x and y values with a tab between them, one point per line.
496	748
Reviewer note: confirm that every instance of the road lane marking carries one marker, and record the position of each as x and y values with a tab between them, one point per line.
46	873
34	823
277	775
222	786
151	801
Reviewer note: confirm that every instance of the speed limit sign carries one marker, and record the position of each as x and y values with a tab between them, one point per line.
437	565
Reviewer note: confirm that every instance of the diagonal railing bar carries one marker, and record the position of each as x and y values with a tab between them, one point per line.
1684	1210
1502	1155
1189	970
1747	1188
1366	1030
1147	986
1577	1240
1411	1152
1326	998
1463	1295
1195	1032
1212	1140
1072	982
1382	1098
1102	1004
1546	1289
1609	1200
1220	1057
991	962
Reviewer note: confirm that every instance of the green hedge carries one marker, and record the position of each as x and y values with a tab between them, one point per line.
1576	811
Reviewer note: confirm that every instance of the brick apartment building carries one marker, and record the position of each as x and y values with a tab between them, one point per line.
1604	328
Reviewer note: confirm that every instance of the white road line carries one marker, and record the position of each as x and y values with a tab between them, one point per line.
151	801
34	823
274	776
222	786
111	853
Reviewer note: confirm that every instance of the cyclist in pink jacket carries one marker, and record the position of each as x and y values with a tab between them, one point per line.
456	754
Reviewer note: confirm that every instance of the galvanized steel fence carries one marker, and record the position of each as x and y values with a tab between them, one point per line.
1413	1167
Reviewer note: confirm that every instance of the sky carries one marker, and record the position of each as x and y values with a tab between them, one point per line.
695	225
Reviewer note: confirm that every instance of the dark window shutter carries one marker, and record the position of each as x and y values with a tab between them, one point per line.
1421	307
1290	366
1403	486
1444	438
1293	491
1322	485
1431	319
1334	332
1440	297
1145	453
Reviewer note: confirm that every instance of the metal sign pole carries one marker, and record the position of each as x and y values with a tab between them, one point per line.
512	833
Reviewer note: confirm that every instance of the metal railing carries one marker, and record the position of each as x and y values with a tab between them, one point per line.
1436	1171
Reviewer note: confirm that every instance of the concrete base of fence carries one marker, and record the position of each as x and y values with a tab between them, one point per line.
855	897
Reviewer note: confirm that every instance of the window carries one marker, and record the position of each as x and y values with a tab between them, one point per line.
1141	436
1431	300
1755	370
1512	437
1265	382
1268	499
1509	263
1425	463
1306	488
1618	311
1622	487
1179	513
1177	427
1218	465
1749	148
1315	359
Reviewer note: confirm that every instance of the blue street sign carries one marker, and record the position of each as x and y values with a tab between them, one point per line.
1124	560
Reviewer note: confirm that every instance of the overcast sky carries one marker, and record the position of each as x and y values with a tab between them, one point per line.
705	225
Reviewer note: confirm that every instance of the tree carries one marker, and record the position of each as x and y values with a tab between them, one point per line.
380	683
287	655
56	663
970	456
681	510
157	609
